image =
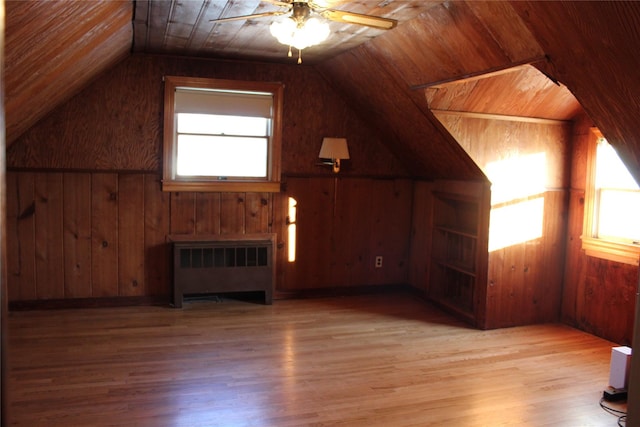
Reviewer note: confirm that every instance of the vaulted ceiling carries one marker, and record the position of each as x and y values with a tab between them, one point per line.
56	48
188	28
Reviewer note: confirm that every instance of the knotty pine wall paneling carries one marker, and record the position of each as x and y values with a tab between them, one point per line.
112	232
232	213
390	228
182	216
21	260
77	234
208	213
49	235
104	235
279	226
524	278
350	254
110	174
342	224
220	213
314	242
156	225
421	230
258	212
552	256
131	248
372	219
93	235
574	272
115	124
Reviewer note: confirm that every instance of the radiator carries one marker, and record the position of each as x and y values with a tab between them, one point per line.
223	265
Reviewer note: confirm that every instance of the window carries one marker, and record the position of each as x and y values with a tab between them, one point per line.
221	135
611	228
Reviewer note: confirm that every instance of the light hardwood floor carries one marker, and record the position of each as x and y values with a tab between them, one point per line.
373	360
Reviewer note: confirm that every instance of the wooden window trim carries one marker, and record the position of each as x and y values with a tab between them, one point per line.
198	184
593	246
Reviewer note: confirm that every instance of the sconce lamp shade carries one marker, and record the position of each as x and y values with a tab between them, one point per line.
334	149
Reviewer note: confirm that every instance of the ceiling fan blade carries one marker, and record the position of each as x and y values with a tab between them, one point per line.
278	3
255	15
359	19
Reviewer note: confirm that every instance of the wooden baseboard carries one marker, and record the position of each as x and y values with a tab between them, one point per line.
342	291
56	304
53	304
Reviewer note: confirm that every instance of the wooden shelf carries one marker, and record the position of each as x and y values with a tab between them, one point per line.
465	233
453	277
457	267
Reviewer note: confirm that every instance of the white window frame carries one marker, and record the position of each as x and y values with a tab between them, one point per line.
593	245
173	182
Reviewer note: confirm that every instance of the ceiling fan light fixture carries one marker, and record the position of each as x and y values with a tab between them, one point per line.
303	29
300	35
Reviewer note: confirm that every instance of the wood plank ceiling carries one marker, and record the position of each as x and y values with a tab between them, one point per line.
185	28
53	49
517	92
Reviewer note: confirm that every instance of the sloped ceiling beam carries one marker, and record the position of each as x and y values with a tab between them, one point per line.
592	49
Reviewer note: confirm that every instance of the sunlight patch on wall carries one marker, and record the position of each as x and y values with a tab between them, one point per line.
517	211
291	229
517	177
517	223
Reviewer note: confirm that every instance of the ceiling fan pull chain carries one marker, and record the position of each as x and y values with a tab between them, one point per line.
289	54
299	56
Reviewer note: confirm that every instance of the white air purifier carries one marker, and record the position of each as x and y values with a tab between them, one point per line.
619	369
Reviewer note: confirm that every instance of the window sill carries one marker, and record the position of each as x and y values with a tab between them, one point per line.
612	251
222	187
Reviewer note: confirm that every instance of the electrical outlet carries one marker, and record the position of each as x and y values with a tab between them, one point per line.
378	261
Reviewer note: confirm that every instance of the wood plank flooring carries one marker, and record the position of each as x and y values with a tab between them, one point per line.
372	360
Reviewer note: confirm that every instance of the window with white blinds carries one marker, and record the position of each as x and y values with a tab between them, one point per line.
221	135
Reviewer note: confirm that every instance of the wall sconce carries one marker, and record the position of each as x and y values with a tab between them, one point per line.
334	149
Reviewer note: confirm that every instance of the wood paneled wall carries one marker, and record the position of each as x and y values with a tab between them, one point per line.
599	296
4	318
96	235
91	235
342	225
116	123
87	217
421	233
524	279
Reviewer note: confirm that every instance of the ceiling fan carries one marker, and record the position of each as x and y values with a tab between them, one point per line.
303	29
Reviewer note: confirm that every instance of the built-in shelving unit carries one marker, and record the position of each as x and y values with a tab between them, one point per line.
456	262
